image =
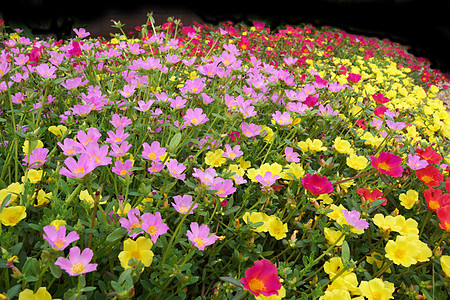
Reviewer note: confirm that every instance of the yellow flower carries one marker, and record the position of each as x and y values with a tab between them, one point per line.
295	169
281	295
14	189
357	162
27	148
343	146
10	216
311	145
371	140
326	199
43	198
215	159
268	133
409	199
58	130
332	236
257	217
445	264
377	289
335	211
402	251
41	294
33	175
347	282
387	223
139	249
85	196
58	223
244	164
334	266
277	229
336	295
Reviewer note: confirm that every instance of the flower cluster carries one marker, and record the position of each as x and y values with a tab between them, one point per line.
222	162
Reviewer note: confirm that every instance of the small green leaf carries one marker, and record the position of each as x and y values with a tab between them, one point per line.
175	141
345	251
231	210
231	280
116	235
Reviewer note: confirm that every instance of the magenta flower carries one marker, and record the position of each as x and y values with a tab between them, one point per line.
37	158
415	162
153	152
232	153
200	236
46	71
353	219
78	262
58	238
250	130
268	179
182	204
91	136
98	154
291	155
195	117
316	184
119	150
78	169
119	121
176	169
121	168
154	226
70	147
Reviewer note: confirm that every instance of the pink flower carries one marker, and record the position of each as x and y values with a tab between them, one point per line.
200	236
73	83
37	158
183	204
178	102
78	262
91	136
57	238
206	177
153	151
415	162
176	169
232	153
353	219
268	179
119	121
78	169
144	106
250	130
134	220
154	225
282	118
395	125
98	154
46	71
82	33
195	117
74	49
224	187
128	91
119	150
335	87
121	168
156	167
70	147
194	86
291	155
117	137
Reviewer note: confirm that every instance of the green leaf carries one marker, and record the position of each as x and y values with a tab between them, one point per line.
345	251
175	141
117	287
31	267
116	235
240	295
231	280
231	210
55	270
13	291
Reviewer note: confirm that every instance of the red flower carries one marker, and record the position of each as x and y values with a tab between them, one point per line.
262	279
361	123
444	217
435	199
430	176
367	195
429	154
353	77
388	163
447	184
380	110
317	185
380	98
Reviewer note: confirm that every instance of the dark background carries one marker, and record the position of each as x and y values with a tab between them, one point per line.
423	25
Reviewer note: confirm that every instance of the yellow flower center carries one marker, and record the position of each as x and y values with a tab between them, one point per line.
70	151
136	254
220	191
384	166
427	179
194	121
200	241
152	156
135	225
152	230
78	170
123	172
59	243
256	285
183	209
434	205
78	268
97	159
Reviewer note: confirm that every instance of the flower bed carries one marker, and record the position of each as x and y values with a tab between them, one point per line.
222	162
